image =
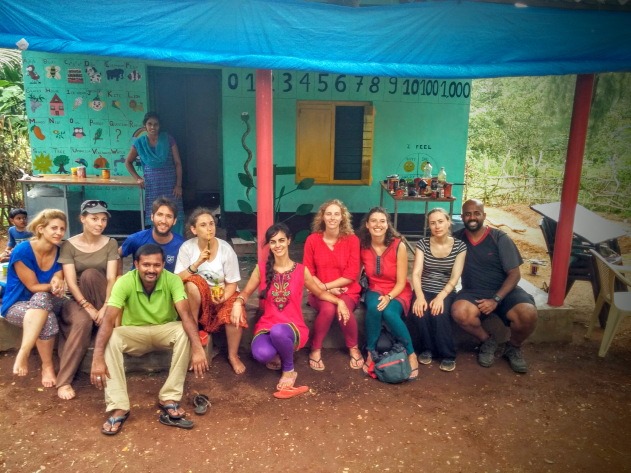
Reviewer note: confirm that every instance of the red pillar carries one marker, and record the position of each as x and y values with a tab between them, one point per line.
571	182
264	159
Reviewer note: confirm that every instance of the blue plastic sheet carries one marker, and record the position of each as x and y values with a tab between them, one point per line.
430	39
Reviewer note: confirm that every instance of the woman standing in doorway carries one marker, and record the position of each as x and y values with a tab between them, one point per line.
162	167
331	254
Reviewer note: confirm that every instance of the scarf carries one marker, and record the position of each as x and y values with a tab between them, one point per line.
154	157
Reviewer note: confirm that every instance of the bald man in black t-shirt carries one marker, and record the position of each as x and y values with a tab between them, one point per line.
489	285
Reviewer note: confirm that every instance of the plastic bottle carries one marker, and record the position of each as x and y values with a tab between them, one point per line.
428	171
442	175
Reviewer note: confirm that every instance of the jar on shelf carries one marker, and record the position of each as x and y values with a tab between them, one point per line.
442	175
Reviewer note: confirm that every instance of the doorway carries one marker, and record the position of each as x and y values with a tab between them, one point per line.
188	101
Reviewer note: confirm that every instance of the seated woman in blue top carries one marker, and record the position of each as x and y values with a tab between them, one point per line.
34	291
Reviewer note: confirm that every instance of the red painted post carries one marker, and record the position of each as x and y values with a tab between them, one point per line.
571	181
264	160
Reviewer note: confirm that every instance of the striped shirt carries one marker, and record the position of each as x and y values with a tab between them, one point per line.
437	271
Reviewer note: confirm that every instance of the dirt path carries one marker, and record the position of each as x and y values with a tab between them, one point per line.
571	412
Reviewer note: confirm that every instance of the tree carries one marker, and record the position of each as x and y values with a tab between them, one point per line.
14	148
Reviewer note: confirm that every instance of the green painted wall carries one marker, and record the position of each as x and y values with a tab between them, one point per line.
416	120
428	125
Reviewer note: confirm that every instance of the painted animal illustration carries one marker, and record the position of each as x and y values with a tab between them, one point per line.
134	75
30	70
115	74
82	162
93	74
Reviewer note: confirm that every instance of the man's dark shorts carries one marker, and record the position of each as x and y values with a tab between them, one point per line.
516	296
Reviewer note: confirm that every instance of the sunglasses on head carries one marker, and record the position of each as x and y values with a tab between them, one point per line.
93	203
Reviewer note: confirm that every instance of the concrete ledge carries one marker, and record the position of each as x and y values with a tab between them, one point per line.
10	336
555	325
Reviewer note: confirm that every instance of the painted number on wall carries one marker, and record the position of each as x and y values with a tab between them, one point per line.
326	84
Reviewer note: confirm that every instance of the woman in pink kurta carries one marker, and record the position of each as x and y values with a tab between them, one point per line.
331	254
281	330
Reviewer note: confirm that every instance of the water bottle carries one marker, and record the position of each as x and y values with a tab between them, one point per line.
442	175
428	170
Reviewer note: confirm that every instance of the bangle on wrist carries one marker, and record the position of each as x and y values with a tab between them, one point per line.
191	270
389	296
82	302
240	298
325	287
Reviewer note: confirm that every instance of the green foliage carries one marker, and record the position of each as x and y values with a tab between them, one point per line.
14	148
518	135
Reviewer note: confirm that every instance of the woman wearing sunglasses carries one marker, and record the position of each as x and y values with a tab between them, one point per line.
90	265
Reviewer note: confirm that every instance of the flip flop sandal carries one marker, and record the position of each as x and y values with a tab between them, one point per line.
291	379
356	363
171	407
316	365
113	421
288	393
171	422
201	404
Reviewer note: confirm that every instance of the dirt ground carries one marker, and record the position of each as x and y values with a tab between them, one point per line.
571	412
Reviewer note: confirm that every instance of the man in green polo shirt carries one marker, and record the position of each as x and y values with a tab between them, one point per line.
152	299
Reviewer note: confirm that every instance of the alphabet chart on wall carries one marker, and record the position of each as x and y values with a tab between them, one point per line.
82	110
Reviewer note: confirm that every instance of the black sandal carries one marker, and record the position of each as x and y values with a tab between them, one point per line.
171	422
201	403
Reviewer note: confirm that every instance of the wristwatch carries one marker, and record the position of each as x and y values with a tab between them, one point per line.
497	298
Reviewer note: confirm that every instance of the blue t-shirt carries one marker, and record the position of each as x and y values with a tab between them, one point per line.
136	240
15	290
16	237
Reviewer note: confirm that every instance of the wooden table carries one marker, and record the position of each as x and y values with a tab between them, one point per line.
66	180
418	200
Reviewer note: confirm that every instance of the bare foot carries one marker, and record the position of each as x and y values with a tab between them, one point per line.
275	364
66	392
49	378
237	365
20	367
287	380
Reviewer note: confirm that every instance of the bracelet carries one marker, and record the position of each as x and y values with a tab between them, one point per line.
242	299
82	302
325	288
389	296
190	269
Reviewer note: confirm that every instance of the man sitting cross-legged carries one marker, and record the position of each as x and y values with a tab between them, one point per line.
152	299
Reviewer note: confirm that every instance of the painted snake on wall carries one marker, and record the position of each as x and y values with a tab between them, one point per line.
245	116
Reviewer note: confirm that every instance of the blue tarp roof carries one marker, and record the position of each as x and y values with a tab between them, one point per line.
432	39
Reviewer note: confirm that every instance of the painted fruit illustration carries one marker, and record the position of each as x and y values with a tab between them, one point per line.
37	131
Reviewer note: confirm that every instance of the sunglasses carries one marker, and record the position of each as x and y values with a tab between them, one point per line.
93	203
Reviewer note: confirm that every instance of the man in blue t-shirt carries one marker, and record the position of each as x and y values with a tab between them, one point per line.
489	285
163	217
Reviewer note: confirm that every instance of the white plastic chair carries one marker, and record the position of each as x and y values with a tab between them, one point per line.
619	302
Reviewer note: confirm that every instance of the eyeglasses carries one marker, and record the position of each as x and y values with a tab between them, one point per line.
88	204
